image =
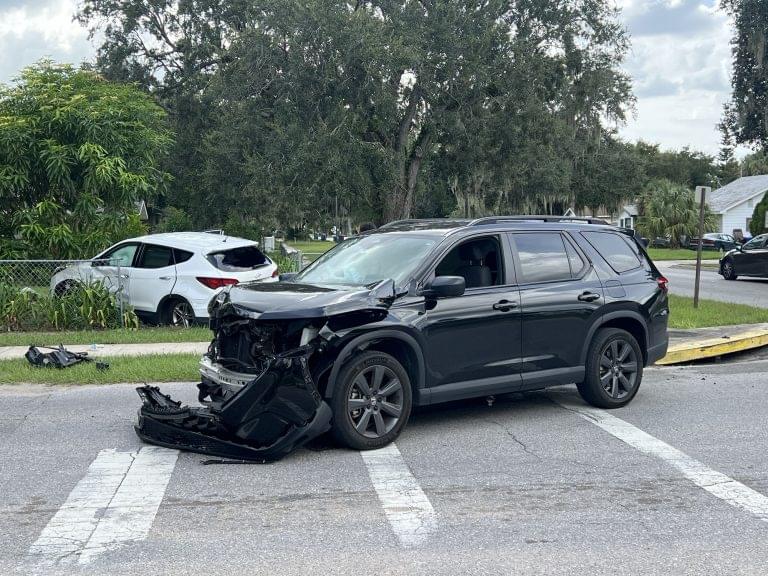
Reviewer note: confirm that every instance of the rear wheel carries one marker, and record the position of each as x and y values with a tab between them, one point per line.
178	312
371	401
614	369
728	271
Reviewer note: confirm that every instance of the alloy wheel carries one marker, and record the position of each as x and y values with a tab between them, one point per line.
375	401
727	270
182	314
618	368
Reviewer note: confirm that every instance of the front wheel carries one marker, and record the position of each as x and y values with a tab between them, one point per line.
614	369
728	271
371	401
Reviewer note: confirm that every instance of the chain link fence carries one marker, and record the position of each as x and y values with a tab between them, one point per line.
62	294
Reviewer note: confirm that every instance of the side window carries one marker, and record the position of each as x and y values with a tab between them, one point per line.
543	257
478	261
181	256
156	257
120	256
615	250
574	259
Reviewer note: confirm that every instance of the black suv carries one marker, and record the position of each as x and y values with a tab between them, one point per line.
419	312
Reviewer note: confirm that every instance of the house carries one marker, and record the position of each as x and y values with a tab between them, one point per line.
734	203
627	217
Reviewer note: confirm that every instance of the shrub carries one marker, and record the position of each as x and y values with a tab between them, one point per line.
83	306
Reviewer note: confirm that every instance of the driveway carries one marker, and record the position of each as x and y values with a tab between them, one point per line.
675	483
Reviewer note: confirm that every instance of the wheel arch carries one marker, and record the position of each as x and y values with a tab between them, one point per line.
396	343
627	320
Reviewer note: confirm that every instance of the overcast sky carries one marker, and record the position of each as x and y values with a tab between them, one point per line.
680	61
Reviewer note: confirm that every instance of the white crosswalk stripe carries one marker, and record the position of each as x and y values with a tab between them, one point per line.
115	502
405	505
716	483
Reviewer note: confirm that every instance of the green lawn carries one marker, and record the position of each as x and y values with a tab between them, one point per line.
116	336
682	314
311	249
681	254
123	369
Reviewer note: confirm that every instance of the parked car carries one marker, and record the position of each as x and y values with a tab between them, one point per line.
750	259
170	278
660	242
714	241
419	312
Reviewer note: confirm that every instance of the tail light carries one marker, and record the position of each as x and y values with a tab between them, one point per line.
662	282
214	283
275	273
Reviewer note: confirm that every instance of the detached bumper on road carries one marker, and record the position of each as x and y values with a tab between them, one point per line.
271	416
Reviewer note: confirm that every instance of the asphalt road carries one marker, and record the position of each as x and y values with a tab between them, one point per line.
527	486
751	291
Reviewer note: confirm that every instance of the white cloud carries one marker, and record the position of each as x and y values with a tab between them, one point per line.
680	63
35	30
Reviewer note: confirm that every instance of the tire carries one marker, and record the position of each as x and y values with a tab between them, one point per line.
614	369
727	270
178	312
62	288
362	419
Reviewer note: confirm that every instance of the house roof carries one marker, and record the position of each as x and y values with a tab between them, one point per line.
737	192
630	209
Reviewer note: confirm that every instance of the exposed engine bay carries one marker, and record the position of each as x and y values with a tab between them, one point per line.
259	379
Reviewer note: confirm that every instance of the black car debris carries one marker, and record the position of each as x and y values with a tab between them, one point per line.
418	312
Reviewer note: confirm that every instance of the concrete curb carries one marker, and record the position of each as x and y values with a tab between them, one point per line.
700	349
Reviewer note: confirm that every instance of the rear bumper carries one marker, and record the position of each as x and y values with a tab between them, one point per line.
272	415
657	352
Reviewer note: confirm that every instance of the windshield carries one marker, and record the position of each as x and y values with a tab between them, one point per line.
368	259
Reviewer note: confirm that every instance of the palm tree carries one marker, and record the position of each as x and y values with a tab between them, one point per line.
669	210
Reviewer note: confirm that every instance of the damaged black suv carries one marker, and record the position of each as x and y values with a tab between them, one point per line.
419	312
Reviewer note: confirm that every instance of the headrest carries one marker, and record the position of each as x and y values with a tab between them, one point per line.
474	250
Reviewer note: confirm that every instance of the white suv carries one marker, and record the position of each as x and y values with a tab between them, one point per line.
170	278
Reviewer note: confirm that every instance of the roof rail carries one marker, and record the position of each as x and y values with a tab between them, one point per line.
397	223
497	219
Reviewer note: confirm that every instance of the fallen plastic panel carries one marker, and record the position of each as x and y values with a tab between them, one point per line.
59	358
274	414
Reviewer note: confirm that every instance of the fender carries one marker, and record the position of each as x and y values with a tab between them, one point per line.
607	318
359	341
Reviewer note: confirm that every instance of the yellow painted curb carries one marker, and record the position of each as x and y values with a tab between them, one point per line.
700	349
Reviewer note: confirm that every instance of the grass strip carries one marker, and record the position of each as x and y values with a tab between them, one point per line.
143	335
661	254
683	315
123	369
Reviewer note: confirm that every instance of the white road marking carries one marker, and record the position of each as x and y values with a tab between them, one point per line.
405	505
115	502
716	483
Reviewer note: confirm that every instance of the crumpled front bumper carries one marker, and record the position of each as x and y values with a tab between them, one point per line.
274	414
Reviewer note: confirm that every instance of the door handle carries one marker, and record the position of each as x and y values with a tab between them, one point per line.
589	297
504	305
164	278
124	276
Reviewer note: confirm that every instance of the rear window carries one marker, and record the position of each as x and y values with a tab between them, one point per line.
181	256
615	250
543	257
238	259
155	256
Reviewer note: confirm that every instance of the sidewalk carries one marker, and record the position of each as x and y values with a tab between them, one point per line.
15	352
684	345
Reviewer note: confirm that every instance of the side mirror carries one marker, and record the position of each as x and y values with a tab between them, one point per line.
446	287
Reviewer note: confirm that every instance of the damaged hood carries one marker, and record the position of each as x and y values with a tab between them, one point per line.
289	300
